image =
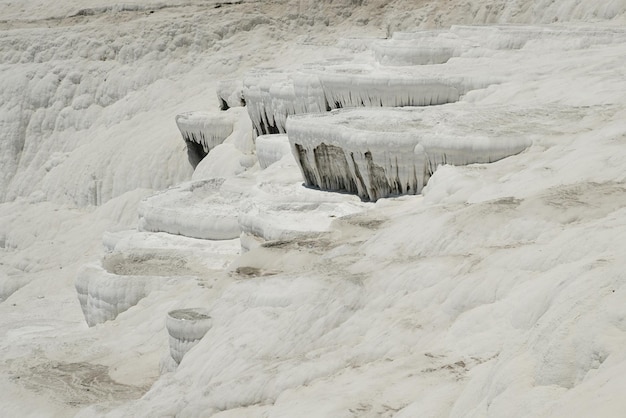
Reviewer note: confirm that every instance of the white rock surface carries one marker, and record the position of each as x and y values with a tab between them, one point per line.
104	295
498	292
181	251
195	209
9	284
272	148
421	48
230	94
273	204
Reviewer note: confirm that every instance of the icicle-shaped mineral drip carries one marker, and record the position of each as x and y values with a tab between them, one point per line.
380	90
309	94
203	131
269	100
367	163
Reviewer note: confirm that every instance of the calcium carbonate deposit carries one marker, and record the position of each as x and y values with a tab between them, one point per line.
308	208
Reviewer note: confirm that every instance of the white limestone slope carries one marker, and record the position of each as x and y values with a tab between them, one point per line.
9	284
475	299
498	292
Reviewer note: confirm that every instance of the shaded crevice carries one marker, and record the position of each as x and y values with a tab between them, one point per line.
329	169
266	128
357	173
195	152
308	172
379	187
326	104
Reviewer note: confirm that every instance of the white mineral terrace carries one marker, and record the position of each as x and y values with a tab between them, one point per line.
296	273
186	327
422	48
201	253
276	96
203	131
195	209
270	98
104	295
384	152
261	222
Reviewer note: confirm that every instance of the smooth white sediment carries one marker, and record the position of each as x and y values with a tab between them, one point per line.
195	209
211	254
273	96
272	148
282	221
422	48
186	327
9	284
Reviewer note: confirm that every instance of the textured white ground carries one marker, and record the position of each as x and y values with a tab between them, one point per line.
498	292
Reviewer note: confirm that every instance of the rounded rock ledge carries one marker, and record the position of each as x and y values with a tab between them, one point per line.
261	222
104	295
195	209
420	48
203	131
